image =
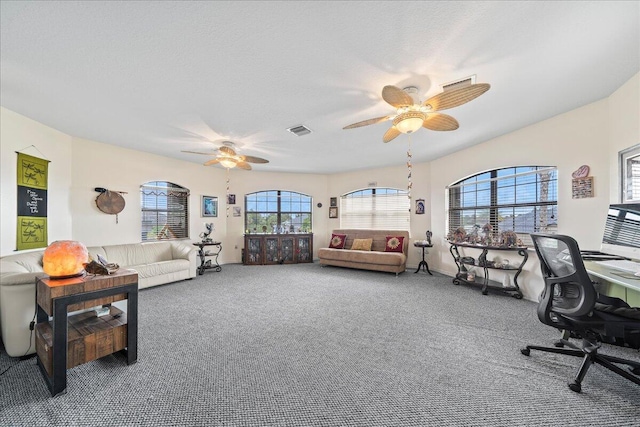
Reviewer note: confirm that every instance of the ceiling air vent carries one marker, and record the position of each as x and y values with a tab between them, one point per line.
459	83
299	130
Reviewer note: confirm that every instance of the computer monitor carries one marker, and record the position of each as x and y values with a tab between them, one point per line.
622	231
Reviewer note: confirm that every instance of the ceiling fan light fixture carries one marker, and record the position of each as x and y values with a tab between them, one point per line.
228	162
410	121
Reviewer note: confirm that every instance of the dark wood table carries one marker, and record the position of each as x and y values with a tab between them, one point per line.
67	341
423	263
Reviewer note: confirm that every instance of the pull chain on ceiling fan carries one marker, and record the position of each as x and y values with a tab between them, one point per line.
411	115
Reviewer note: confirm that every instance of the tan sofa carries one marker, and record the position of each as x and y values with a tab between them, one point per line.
376	259
155	262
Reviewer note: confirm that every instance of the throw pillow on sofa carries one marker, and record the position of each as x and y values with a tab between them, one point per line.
362	244
337	241
394	244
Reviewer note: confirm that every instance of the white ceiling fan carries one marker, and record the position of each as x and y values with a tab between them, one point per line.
229	158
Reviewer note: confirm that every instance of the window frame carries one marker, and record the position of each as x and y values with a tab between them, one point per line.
629	177
495	182
350	219
168	228
279	212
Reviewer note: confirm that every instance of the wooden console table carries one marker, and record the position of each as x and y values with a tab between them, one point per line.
64	342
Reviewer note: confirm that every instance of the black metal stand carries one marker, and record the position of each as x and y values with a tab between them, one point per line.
423	264
485	282
206	264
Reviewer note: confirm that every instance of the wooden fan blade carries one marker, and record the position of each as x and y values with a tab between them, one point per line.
252	159
396	96
227	150
244	165
211	162
456	97
390	134
368	122
439	121
196	152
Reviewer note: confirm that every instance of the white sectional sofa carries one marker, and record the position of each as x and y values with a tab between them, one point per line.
156	263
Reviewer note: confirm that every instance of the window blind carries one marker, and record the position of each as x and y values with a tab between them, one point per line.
378	209
523	199
165	211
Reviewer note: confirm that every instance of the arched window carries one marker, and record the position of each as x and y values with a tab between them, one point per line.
165	211
276	211
375	208
523	199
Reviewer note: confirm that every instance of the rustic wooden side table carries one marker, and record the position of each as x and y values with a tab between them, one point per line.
63	342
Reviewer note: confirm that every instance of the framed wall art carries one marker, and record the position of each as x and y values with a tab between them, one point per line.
209	206
333	212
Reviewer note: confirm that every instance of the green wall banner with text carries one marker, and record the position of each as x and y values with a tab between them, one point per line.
32	202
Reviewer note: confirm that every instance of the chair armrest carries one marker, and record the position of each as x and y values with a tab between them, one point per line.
183	251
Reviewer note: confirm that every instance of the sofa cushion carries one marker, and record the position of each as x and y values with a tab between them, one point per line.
361	244
328	255
394	244
160	268
338	241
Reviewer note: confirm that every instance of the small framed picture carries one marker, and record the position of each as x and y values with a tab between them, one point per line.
237	211
420	206
333	212
231	199
333	202
209	206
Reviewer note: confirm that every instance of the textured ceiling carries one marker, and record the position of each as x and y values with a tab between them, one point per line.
169	76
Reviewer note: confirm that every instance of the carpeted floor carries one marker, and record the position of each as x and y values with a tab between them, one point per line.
302	345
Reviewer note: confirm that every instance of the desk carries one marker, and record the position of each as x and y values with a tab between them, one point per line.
205	263
615	283
67	341
423	263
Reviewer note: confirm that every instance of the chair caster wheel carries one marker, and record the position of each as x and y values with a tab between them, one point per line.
635	371
485	292
574	386
558	344
525	351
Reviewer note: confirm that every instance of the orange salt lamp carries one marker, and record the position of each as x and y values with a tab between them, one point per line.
65	258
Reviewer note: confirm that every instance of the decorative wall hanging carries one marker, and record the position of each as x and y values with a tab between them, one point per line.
209	206
32	181
582	183
237	211
110	202
333	212
333	202
420	206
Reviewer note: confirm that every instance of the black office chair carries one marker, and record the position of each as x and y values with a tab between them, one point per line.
570	303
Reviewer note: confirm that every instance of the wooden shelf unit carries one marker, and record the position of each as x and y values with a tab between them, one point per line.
63	341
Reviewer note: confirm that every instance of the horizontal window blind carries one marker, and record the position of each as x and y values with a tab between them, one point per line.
622	228
165	211
523	199
377	209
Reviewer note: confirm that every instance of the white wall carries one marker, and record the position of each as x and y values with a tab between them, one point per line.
19	133
624	128
579	137
243	182
392	177
591	135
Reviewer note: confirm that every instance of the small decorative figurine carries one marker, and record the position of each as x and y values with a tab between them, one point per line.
429	234
205	235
